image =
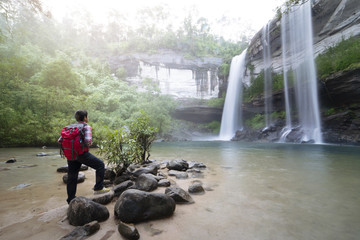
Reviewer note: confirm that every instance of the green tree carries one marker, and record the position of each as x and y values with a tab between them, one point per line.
143	135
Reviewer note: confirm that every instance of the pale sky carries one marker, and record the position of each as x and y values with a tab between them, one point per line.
253	13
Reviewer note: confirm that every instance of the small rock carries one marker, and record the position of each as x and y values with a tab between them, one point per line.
104	198
150	169
81	178
179	195
65	169
178	174
11	160
196	188
164	183
196	165
146	182
128	231
120	188
42	154
27	166
109	174
20	186
82	232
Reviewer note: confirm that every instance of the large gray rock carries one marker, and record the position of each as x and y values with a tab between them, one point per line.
177	164
136	206
83	210
178	174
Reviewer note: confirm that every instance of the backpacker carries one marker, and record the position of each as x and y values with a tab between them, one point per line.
72	144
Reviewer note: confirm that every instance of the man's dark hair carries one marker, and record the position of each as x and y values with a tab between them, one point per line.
80	115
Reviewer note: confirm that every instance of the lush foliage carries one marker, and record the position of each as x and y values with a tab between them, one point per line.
256	122
340	57
123	146
143	134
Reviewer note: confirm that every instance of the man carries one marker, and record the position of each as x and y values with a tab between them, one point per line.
85	158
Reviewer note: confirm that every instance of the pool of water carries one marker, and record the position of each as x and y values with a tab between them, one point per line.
260	191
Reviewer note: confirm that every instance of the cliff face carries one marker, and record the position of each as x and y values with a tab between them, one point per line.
176	74
333	21
339	94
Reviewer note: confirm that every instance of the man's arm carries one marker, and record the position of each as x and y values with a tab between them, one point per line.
88	135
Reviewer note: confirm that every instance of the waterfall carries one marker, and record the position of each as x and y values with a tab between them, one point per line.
298	60
232	114
267	75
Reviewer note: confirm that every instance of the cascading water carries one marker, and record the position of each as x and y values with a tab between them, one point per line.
267	75
298	59
232	114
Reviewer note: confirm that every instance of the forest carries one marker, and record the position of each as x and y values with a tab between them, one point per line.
49	69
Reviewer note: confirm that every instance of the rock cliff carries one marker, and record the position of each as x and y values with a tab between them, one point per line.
333	21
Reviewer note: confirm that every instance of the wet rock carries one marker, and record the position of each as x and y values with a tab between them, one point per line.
81	178
104	198
178	174
27	166
128	231
164	183
196	188
122	178
179	195
177	164
136	206
21	186
11	160
65	169
120	188
152	169
146	182
83	210
82	232
42	154
193	164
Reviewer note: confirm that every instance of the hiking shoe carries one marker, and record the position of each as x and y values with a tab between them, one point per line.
104	190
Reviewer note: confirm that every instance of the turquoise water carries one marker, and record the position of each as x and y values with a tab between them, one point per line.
260	191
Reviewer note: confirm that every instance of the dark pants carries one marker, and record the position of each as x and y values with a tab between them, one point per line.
74	166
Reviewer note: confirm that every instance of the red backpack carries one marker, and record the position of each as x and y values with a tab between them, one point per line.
72	144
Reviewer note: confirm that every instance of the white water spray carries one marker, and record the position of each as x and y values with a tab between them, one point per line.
298	57
232	114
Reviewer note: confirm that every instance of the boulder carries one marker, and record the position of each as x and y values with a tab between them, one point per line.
136	206
120	188
82	232
177	164
122	178
81	177
179	195
128	231
193	164
146	182
83	210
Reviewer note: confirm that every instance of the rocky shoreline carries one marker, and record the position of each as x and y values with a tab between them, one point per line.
135	197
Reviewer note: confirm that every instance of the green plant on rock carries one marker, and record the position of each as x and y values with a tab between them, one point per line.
143	135
256	122
118	149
